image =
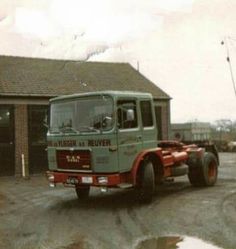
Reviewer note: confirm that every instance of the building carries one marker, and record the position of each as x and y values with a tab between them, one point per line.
27	84
193	131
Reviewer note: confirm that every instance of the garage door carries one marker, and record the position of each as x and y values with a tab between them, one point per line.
7	148
158	113
37	139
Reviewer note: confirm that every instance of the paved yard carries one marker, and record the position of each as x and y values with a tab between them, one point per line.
34	216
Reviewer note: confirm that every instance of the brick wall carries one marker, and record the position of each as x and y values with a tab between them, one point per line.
21	137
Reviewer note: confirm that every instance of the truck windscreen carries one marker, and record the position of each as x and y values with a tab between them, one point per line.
91	114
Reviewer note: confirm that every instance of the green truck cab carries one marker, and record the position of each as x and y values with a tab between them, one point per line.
109	139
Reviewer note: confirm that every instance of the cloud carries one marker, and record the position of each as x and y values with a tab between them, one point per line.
33	22
176	6
70	47
110	20
2	16
104	23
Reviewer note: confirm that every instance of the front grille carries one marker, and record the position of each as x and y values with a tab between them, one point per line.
74	160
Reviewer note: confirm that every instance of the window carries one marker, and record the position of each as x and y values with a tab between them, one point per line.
127	114
146	113
82	115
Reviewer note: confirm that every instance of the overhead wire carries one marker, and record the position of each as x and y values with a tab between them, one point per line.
225	41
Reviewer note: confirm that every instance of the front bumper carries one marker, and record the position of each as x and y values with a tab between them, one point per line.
85	179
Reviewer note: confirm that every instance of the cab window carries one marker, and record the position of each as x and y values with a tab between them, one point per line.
127	114
146	113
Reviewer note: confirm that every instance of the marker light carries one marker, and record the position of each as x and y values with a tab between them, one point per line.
102	180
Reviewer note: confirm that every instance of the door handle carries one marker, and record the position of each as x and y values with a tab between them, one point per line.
112	148
139	137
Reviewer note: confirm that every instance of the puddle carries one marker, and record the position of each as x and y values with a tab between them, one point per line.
174	242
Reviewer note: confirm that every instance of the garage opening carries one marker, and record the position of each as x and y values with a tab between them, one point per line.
37	115
158	114
7	147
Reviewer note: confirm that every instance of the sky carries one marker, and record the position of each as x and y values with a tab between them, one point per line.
177	44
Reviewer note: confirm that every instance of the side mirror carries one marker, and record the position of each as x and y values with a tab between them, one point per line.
107	121
130	115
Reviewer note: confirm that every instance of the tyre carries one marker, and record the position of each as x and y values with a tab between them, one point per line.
195	174
204	171
146	182
210	169
82	192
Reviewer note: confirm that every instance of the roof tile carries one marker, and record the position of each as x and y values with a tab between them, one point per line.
47	77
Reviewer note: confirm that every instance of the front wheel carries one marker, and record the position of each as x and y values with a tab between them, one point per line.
146	182
82	192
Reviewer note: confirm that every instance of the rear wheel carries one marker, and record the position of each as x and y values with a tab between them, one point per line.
195	174
204	172
146	182
210	169
82	192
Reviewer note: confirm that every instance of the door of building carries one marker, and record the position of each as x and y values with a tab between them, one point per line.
158	113
7	148
37	138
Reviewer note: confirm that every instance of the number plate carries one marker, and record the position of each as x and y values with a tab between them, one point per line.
87	179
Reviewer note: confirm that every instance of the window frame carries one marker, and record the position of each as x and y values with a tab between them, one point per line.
152	114
136	114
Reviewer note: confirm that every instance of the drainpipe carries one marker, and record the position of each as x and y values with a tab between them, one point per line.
25	174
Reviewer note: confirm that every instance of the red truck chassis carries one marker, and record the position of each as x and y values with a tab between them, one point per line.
167	158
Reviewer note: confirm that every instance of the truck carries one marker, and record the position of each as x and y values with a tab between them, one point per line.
109	140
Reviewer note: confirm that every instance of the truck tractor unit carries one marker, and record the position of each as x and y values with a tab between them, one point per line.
109	140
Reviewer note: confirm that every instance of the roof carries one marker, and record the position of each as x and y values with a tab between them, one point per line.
190	125
21	76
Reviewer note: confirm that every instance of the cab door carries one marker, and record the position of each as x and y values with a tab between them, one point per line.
129	133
